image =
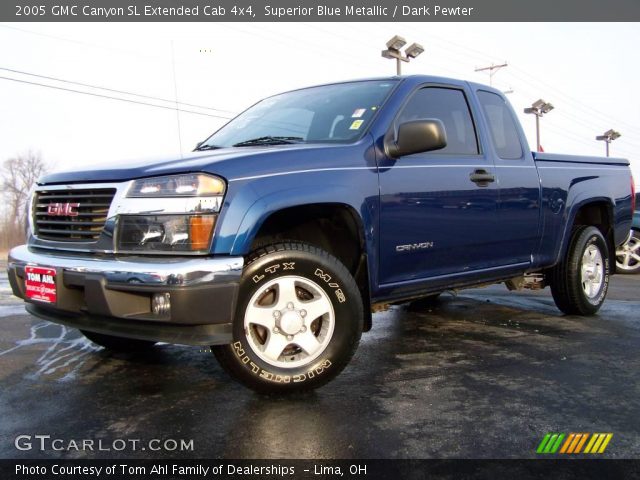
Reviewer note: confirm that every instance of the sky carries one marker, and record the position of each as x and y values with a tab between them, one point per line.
588	71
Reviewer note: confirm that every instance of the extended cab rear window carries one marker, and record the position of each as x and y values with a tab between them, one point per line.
502	125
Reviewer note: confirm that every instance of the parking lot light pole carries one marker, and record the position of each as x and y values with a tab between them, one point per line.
393	51
539	108
608	137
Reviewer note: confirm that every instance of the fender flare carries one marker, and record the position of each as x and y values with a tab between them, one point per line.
577	205
267	205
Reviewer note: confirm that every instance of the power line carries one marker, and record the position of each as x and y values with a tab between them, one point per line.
280	37
576	120
576	137
112	98
577	103
629	137
584	141
462	50
530	76
474	54
82	43
113	90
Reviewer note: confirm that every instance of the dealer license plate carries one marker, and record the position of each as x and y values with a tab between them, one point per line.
40	284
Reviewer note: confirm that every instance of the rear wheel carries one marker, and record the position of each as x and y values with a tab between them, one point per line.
579	283
118	344
298	321
628	255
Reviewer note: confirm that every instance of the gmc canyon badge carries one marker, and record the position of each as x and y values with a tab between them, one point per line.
412	247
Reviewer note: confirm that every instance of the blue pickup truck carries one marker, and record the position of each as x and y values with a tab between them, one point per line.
276	239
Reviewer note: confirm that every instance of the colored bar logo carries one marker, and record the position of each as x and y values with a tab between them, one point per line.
573	443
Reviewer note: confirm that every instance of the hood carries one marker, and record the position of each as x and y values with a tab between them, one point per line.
228	163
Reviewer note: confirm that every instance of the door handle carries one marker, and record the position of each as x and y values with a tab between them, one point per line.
481	177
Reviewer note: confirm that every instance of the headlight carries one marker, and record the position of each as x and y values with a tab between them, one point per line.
172	213
186	185
165	233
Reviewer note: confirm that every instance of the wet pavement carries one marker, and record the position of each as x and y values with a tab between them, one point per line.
485	374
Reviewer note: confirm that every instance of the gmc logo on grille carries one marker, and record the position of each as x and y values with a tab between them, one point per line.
63	209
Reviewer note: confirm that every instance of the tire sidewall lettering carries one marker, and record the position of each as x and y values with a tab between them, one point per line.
318	369
340	296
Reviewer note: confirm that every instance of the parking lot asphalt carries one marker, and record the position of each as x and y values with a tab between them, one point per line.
484	374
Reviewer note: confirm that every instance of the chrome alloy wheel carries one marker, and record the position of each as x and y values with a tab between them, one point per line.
592	271
289	321
628	255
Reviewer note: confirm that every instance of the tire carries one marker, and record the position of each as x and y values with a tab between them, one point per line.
118	344
298	320
579	283
628	256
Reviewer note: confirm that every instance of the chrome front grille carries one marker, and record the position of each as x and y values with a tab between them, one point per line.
71	215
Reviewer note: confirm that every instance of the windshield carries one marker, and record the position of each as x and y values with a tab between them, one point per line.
330	113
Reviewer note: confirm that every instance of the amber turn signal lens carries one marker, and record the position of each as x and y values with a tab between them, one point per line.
201	229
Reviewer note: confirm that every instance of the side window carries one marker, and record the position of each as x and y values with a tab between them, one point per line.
502	126
450	106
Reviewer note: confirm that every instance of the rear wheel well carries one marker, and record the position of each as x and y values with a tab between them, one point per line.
333	227
599	215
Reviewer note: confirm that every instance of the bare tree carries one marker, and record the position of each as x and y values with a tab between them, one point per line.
19	174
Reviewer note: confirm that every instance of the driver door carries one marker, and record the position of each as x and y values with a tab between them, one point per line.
436	218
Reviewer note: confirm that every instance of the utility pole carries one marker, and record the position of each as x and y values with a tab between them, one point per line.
393	51
608	137
493	69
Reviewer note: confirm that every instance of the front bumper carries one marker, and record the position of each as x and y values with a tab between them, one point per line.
112	294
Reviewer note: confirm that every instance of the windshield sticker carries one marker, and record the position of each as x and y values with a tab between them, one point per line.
359	112
356	124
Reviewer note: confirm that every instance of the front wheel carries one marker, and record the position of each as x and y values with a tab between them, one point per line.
628	255
579	283
298	321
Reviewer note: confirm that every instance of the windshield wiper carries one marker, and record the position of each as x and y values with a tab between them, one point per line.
269	140
207	147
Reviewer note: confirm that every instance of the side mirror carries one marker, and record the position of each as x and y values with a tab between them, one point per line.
198	145
417	136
